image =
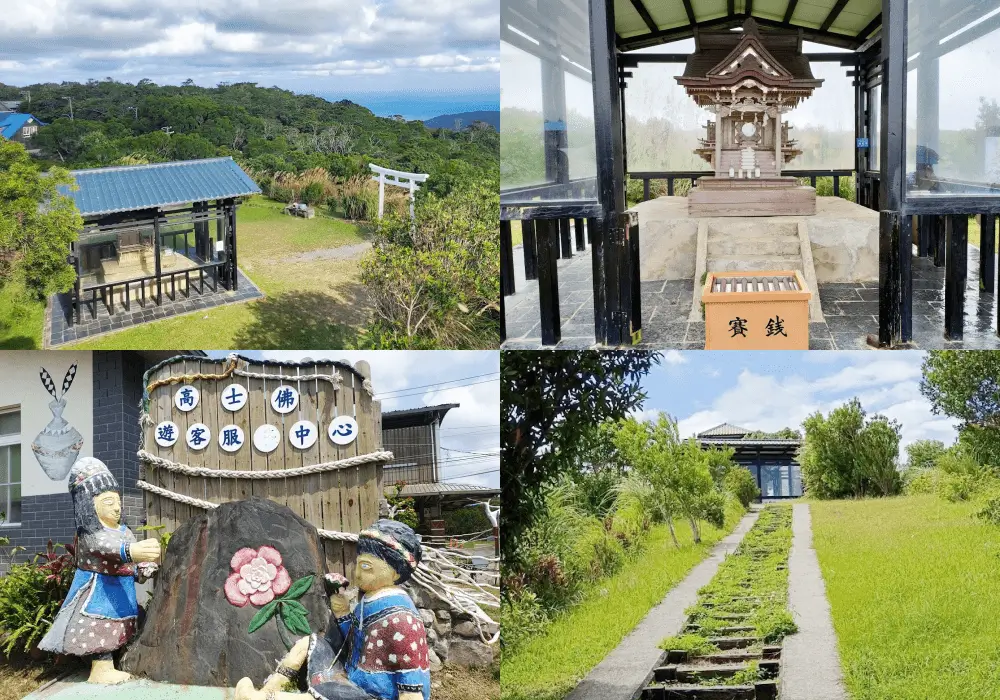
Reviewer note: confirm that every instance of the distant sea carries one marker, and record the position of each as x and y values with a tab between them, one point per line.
417	106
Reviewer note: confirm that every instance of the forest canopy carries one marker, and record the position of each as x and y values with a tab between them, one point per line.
266	129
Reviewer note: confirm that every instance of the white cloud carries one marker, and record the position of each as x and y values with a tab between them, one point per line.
674	357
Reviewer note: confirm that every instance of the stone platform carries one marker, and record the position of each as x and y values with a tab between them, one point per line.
742	197
75	687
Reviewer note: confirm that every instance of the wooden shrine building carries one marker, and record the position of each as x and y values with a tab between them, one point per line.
748	84
773	462
921	159
155	230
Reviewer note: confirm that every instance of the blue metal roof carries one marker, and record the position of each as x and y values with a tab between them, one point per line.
135	187
11	123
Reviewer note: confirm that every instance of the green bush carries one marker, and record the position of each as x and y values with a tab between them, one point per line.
465	521
597	553
920	481
521	618
436	283
280	193
740	483
313	193
990	512
30	596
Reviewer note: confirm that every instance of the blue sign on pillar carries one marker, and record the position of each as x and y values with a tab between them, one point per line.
862	143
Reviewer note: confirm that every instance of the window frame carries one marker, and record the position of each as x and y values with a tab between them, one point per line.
9	441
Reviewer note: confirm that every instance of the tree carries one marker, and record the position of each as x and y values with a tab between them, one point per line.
37	224
548	400
676	470
850	455
923	454
966	386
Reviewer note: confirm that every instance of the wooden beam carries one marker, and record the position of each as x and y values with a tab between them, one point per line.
845	41
790	10
690	12
644	13
871	27
731	7
748	11
664	36
832	17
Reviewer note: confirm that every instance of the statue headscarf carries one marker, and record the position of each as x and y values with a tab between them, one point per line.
395	543
88	478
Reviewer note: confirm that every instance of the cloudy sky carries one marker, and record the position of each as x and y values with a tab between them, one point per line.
351	48
470	434
773	390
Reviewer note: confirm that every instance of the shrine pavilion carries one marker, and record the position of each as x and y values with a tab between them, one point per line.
773	462
923	162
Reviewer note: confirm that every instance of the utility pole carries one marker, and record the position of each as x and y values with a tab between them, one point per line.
166	130
70	107
27	93
133	109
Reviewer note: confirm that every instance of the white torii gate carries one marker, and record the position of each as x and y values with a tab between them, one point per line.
393	177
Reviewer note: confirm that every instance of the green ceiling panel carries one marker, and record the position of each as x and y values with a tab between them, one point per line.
627	20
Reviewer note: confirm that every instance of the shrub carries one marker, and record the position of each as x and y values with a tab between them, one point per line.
740	482
280	193
920	481
773	625
694	644
358	199
30	597
521	618
435	283
313	193
956	487
990	512
466	520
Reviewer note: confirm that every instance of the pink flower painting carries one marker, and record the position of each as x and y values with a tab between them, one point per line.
258	576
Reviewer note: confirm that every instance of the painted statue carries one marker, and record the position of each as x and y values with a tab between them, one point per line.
100	610
57	446
378	650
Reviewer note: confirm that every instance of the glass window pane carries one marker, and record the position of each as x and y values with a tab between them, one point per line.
15	463
4	462
546	101
10	423
4	503
15	505
953	115
876	126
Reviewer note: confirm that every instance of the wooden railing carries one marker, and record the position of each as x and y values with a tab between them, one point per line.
107	291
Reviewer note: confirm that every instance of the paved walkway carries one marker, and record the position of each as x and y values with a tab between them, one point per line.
629	666
810	664
76	688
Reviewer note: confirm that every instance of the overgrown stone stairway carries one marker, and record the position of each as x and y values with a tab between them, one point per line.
730	647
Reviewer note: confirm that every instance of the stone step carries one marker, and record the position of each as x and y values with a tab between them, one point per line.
728	245
733	642
755	263
698	692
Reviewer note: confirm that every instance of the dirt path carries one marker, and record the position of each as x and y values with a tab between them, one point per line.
344	252
810	663
628	666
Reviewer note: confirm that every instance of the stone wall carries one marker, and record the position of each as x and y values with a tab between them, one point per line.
452	635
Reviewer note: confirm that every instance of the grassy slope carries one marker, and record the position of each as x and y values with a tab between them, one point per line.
913	584
309	304
550	666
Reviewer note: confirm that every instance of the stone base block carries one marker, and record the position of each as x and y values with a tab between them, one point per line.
744	199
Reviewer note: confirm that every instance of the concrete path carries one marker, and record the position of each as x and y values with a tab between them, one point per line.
344	252
629	665
76	688
810	664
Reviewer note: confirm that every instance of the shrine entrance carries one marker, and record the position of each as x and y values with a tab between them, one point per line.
910	242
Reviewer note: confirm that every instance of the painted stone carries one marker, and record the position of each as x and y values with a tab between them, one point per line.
198	436
343	430
284	399
266	438
302	434
186	398
234	397
58	445
192	616
231	438
166	434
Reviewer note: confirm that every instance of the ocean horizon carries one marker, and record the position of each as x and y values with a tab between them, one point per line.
412	106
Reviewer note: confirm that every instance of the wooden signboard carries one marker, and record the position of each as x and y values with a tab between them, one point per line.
213	415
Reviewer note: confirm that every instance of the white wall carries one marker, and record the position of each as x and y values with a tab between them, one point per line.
20	386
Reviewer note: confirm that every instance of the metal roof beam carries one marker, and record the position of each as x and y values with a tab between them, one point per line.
664	36
644	13
844	41
790	10
832	17
731	7
748	8
690	12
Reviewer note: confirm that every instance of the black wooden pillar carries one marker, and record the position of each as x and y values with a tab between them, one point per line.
581	243
231	232
596	234
156	253
506	260
566	238
956	270
895	246
987	253
547	231
860	154
938	240
74	313
614	263
529	247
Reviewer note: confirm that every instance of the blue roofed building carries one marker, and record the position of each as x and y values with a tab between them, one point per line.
154	236
15	126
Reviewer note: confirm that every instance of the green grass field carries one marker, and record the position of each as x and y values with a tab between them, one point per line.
21	319
549	666
310	303
914	585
